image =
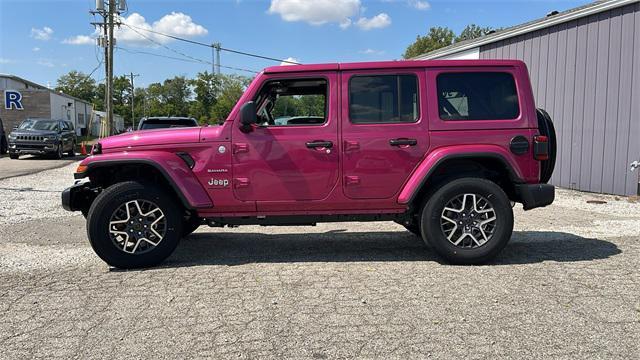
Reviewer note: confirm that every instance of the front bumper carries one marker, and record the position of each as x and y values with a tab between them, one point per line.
535	195
78	197
32	148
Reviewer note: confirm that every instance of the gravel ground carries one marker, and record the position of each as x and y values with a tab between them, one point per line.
566	286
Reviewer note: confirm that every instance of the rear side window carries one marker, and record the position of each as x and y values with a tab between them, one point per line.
477	96
383	99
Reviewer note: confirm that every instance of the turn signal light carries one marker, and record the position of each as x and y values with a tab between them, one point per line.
541	147
81	168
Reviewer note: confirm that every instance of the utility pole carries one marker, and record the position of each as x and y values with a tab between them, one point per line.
133	89
216	46
107	40
213	59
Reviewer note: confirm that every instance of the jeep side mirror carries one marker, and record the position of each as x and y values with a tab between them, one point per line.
248	116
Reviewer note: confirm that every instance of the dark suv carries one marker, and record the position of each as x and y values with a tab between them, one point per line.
43	137
149	123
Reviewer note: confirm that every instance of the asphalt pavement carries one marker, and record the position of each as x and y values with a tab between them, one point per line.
566	286
29	164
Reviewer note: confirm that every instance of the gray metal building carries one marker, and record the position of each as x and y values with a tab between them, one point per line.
584	65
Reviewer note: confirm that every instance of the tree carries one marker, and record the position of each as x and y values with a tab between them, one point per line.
473	31
77	84
206	86
438	37
176	93
232	87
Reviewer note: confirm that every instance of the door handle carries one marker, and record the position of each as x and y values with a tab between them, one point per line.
403	142
319	144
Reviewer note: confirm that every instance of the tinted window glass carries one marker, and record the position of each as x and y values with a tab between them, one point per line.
293	102
383	99
477	96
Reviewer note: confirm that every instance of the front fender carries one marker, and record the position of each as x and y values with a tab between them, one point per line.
173	168
439	155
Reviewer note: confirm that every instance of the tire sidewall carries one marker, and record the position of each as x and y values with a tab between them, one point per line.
432	212
100	214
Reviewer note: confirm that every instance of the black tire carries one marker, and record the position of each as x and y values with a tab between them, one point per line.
433	232
545	125
14	156
59	154
72	151
104	206
4	146
190	225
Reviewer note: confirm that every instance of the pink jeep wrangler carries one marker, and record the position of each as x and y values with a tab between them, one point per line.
442	147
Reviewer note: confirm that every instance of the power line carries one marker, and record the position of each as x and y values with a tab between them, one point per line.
209	45
190	60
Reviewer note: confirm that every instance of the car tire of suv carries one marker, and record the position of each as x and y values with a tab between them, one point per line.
59	152
3	145
14	156
472	197
72	151
110	202
546	127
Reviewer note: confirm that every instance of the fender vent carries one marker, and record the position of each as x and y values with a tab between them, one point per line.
187	159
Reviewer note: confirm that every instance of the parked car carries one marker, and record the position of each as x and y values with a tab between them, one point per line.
43	137
161	122
441	147
3	139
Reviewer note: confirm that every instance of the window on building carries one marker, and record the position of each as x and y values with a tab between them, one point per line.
383	99
477	96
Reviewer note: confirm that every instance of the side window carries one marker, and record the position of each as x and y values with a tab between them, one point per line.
477	96
64	125
293	102
383	99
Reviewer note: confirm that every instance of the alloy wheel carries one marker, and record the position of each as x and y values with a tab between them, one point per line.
137	226
468	221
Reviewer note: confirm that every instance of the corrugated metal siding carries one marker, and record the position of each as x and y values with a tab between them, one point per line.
586	74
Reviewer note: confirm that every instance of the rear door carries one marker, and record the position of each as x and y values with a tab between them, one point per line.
384	134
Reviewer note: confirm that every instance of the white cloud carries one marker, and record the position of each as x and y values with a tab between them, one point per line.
291	59
420	5
79	40
35	49
175	23
42	34
371	52
379	21
45	62
6	61
316	12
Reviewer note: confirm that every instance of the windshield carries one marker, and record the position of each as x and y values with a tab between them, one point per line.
50	125
163	124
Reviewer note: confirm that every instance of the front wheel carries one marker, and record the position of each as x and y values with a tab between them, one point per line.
468	221
134	225
72	151
14	156
59	154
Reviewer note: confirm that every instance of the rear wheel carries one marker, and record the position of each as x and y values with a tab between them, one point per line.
59	154
467	221
3	145
131	225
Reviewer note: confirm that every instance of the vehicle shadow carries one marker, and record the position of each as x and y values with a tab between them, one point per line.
525	247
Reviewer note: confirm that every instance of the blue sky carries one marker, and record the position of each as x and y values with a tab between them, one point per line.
41	40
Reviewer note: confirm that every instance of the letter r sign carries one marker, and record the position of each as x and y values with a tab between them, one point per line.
12	100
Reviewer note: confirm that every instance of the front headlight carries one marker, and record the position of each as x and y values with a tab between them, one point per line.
51	138
12	136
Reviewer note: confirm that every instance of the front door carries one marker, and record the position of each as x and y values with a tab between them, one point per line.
292	156
384	134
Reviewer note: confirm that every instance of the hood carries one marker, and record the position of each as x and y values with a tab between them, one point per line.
27	132
152	137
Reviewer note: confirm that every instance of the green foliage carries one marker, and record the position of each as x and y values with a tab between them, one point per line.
77	84
231	88
305	105
473	31
439	37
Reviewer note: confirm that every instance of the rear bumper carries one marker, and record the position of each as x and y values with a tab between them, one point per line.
78	197
535	195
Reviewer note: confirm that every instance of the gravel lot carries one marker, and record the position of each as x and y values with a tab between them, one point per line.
567	286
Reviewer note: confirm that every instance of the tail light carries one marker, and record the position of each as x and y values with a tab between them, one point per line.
541	147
